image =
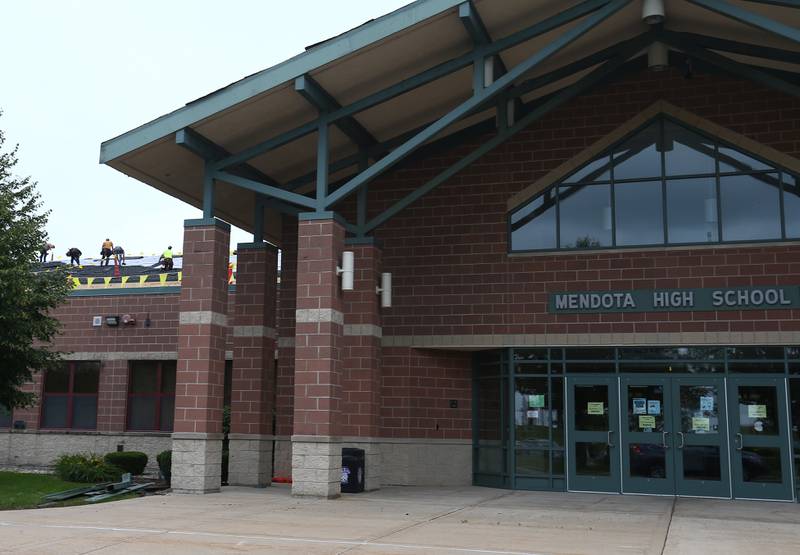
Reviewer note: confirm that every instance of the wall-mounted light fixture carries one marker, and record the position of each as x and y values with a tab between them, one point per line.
658	57
653	11
346	270
385	290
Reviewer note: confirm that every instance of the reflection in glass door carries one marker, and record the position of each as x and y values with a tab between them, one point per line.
701	446
647	465
593	434
760	454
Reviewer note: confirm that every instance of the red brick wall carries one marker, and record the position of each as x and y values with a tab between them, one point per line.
287	299
447	252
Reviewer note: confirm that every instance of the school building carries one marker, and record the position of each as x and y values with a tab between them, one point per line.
532	245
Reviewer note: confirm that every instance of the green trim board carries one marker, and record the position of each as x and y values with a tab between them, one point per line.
675	300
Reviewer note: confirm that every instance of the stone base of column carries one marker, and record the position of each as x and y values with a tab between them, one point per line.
316	466
250	460
196	462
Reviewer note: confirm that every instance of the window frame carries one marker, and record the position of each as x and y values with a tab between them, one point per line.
785	179
10	418
158	395
70	395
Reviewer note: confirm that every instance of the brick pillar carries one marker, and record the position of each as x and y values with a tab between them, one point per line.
252	384
361	374
284	394
316	445
197	436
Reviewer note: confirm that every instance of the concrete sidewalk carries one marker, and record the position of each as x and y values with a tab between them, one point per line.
404	521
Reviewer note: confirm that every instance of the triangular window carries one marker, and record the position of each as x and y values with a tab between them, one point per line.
664	184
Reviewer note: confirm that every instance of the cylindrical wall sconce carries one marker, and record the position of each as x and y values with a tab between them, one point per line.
347	270
385	290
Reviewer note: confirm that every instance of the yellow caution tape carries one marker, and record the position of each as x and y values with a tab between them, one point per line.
162	278
180	276
142	279
125	280
89	281
107	280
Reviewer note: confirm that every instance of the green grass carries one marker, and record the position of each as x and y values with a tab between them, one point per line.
25	491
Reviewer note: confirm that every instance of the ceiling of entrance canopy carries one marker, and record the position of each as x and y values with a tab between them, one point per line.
371	58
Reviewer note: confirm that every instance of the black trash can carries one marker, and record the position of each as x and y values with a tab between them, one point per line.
352	470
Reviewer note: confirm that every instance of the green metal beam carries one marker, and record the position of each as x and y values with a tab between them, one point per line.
541	110
754	50
750	18
731	66
428	76
322	100
323	155
781	3
473	23
264	189
467	106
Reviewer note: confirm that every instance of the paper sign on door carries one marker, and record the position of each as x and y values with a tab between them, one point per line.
700	424
654	407
536	401
595	408
756	411
647	422
706	403
639	405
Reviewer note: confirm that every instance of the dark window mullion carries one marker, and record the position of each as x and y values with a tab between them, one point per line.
782	215
70	394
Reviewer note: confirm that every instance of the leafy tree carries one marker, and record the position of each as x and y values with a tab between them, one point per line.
26	294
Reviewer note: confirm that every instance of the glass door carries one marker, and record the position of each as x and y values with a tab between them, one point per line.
760	438
701	439
647	454
593	434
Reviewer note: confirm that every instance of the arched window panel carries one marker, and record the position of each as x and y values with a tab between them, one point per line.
791	205
663	184
638	157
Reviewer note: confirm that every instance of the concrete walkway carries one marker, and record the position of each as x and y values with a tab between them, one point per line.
403	521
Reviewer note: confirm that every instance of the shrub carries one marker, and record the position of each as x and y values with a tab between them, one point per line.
86	467
164	459
129	461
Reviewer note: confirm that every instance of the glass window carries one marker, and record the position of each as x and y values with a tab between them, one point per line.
69	400
704	191
534	227
5	417
692	211
585	213
151	395
687	152
733	160
750	207
639	211
791	205
596	170
638	157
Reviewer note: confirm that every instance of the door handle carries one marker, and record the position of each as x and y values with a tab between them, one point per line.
609	438
682	443
738	442
664	443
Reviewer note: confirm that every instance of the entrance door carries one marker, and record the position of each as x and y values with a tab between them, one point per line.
593	434
760	454
647	426
701	439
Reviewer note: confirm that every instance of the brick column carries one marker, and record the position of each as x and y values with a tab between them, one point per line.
316	445
197	436
361	375
284	394
253	380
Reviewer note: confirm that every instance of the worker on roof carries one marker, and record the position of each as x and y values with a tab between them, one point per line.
74	254
119	255
105	251
46	248
166	258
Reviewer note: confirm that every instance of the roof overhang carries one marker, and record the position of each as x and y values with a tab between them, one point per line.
368	63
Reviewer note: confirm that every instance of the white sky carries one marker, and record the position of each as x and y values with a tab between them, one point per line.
76	73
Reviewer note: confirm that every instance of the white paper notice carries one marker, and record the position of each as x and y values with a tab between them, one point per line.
654	407
639	406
